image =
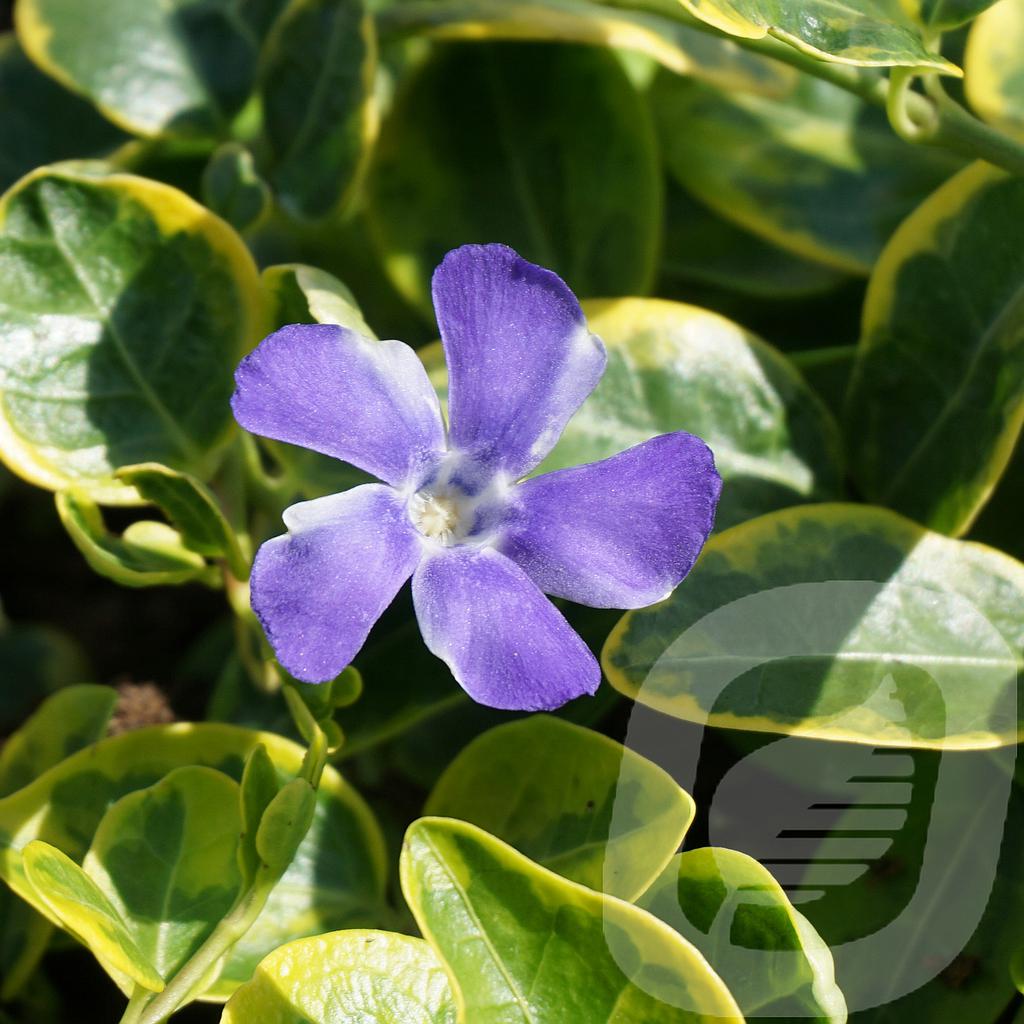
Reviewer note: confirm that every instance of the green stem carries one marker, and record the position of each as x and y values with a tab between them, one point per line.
934	119
139	1000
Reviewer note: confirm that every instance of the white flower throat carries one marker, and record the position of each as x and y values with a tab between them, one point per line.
440	515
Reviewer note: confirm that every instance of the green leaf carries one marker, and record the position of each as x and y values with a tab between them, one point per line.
738	916
337	877
703	249
78	904
862	32
259	786
655	30
547	148
920	647
526	946
570	799
316	85
937	396
147	554
371	977
165	858
124	309
284	823
233	189
181	67
191	508
40	121
943	15
64	723
69	720
994	66
676	367
819	173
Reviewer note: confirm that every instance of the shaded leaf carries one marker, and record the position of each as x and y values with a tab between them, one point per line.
464	157
937	395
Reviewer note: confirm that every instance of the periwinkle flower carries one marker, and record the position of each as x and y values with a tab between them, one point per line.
453	512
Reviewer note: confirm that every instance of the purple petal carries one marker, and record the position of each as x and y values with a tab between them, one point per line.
505	642
318	589
621	533
327	388
520	358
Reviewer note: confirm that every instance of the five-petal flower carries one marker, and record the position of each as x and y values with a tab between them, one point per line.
452	512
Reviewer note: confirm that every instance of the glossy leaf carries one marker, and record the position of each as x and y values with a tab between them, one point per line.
464	157
191	508
732	909
124	308
654	29
335	881
182	67
316	87
570	799
233	188
259	785
64	723
72	898
677	367
147	554
69	720
994	66
525	945
819	173
842	622
367	976
863	32
937	395
165	858
40	121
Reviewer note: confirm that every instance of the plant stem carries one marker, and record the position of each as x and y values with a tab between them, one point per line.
139	1000
934	119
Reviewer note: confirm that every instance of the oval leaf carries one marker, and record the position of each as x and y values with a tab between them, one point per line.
118	295
464	157
800	171
920	647
73	899
937	397
525	945
233	189
336	879
316	86
738	916
165	858
175	67
570	799
367	976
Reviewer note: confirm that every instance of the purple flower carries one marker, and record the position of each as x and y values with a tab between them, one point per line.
482	545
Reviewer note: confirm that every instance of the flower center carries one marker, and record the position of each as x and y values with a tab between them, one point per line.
439	515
